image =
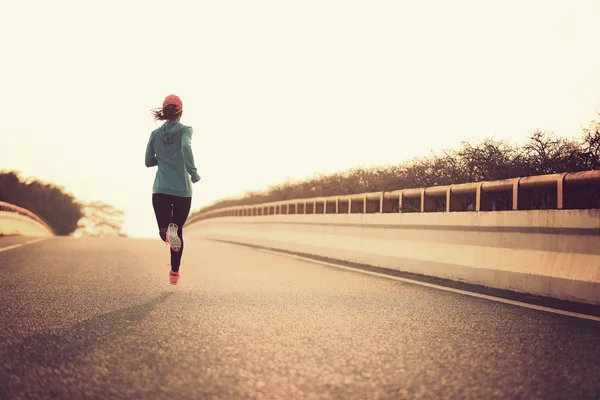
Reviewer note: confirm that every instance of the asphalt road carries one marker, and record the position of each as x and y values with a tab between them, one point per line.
96	318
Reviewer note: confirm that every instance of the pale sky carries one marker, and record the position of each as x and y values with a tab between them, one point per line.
280	89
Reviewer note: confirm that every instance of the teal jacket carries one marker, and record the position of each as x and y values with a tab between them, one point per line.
170	147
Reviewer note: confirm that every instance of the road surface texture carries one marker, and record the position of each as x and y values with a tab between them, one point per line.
96	318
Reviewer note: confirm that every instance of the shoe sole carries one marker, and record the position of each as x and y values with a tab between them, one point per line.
174	243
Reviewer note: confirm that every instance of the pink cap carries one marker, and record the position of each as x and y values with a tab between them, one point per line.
172	99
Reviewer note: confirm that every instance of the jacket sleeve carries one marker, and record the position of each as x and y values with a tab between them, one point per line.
188	155
150	155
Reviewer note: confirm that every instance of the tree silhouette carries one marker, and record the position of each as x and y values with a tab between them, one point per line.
100	219
51	203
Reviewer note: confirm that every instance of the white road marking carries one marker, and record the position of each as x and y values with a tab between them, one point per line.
36	240
431	285
14	246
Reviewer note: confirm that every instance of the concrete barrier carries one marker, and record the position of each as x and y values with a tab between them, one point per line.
19	221
554	253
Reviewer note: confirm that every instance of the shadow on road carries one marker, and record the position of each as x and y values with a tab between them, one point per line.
52	349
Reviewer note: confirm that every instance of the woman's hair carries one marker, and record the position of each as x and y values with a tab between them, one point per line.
166	113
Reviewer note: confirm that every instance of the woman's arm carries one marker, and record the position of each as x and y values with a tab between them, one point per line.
188	155
150	155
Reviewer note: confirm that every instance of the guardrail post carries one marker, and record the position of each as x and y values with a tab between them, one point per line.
483	201
427	203
372	206
561	197
453	202
330	206
354	206
387	205
521	197
400	201
317	207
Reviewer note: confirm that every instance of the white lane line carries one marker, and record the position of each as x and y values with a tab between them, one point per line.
14	246
431	285
36	240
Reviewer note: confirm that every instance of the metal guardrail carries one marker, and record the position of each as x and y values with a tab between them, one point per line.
25	212
565	186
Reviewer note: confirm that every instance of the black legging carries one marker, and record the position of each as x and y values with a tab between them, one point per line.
171	209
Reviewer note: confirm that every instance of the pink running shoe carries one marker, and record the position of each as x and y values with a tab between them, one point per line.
173	277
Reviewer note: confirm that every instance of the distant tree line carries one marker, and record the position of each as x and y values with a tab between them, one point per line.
51	203
487	160
60	210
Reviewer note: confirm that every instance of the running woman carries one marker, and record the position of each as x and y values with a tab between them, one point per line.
170	147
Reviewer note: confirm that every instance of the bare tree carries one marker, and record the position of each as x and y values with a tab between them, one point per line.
100	219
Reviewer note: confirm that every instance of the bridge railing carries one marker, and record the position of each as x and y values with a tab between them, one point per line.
554	191
7	207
